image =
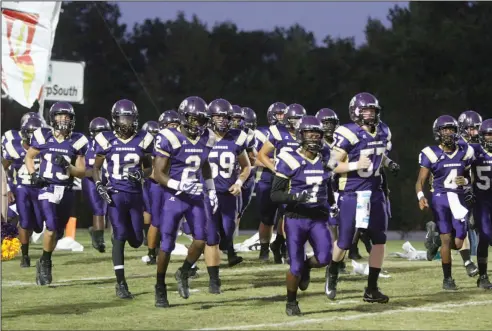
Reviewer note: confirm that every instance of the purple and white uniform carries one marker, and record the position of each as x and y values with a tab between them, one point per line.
482	187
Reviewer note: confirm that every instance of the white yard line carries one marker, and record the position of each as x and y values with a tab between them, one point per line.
431	308
16	283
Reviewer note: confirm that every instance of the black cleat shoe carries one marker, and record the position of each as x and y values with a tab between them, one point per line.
342	269
161	296
25	261
233	260
43	272
292	309
152	260
183	286
448	284
374	295
331	284
305	278
483	282
471	269
354	254
264	254
193	274
122	291
432	240
214	286
277	253
97	241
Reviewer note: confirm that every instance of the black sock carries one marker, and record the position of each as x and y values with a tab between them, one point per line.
265	246
186	266
98	235
120	275
482	268
146	229
279	239
213	272
25	249
46	256
161	278
334	267
465	255
446	270
372	279
291	296
151	252
118	255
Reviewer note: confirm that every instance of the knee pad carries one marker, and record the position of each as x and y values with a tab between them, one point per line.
135	242
378	238
324	258
296	268
168	242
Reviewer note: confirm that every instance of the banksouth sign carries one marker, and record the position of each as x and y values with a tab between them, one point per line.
65	82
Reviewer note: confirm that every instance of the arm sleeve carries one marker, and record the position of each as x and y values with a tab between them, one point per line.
280	187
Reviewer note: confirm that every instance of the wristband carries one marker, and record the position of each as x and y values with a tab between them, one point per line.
239	182
174	184
352	166
209	184
387	162
420	195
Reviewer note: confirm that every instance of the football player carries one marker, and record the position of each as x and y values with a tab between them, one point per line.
15	134
448	163
30	215
482	209
126	151
360	147
98	205
228	153
281	137
264	177
302	184
151	127
181	158
56	148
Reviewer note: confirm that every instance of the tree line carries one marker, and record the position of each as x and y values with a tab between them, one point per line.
433	59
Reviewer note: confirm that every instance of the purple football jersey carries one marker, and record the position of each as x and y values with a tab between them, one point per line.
44	141
386	131
123	156
187	156
446	167
224	156
10	135
304	175
261	136
462	142
281	139
355	141
14	151
482	172
90	158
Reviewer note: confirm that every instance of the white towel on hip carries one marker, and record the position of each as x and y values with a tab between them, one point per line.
363	209
457	209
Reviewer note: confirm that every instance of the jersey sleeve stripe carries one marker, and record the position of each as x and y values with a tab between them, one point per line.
163	152
81	142
241	139
347	134
289	160
171	137
261	137
281	175
470	152
430	154
102	141
275	133
38	134
211	138
146	141
9	147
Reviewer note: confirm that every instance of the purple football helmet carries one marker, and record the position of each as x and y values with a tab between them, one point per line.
276	112
293	114
151	127
169	117
237	117
124	116
469	122
485	135
329	120
28	115
98	124
249	118
359	103
29	126
448	139
64	124
220	112
312	143
193	113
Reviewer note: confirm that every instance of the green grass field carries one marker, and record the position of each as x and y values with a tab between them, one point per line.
82	297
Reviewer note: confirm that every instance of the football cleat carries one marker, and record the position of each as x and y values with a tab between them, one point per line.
234	259
277	252
448	284
432	240
214	286
193	274
97	241
305	278
161	296
342	268
374	295
43	272
152	260
483	282
471	269
25	261
331	284
354	254
292	309
183	286
264	254
122	291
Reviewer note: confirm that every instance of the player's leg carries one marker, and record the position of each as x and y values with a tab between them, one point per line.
227	214
376	232
278	246
347	204
98	206
147	213
482	213
27	222
320	241
156	206
267	210
465	252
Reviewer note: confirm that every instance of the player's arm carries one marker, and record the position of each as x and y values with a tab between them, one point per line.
245	166
79	169
343	166
280	191
31	154
266	149
161	170
147	165
96	168
9	180
419	185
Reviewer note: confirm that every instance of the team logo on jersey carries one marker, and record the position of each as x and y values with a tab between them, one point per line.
172	199
115	143
50	140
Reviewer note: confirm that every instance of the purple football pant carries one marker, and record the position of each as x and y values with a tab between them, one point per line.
10	212
55	215
225	216
177	207
444	218
146	196
266	207
97	204
29	208
246	194
378	219
298	231
156	198
126	216
482	214
212	227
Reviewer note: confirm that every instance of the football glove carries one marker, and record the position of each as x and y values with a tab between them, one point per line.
334	211
394	167
214	201
102	190
191	186
38	181
60	161
469	198
135	176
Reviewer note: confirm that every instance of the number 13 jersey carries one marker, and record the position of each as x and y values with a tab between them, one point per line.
186	156
355	141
